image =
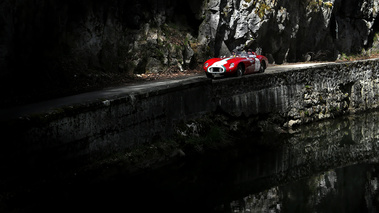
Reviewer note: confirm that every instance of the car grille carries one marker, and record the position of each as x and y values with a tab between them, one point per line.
216	70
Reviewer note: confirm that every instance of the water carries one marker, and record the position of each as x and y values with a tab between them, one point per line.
347	189
329	166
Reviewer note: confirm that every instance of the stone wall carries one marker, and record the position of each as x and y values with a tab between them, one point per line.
105	127
303	95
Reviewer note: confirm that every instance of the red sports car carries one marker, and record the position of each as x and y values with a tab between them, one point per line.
235	65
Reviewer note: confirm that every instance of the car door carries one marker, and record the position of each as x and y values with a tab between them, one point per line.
249	65
257	64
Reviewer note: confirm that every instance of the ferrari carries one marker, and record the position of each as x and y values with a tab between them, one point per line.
235	65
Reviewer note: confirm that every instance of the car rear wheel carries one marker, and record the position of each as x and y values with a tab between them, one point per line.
263	67
239	71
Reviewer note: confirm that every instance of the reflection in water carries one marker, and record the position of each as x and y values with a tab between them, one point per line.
348	189
331	166
326	167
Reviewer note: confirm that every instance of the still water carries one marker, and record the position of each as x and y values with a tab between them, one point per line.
329	166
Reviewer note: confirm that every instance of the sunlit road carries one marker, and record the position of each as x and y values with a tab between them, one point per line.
113	93
286	67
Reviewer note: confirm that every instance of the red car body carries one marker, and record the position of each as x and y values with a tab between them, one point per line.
238	65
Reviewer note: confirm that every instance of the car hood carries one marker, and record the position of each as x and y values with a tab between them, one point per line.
222	61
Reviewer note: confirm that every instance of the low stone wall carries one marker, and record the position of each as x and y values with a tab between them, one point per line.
303	95
105	127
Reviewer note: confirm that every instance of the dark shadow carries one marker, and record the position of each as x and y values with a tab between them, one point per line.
371	37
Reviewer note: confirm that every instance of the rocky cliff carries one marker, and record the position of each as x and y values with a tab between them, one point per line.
295	30
56	45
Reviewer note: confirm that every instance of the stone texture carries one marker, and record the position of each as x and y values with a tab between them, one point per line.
270	101
289	31
60	38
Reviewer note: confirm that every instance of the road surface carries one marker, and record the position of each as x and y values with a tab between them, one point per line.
112	93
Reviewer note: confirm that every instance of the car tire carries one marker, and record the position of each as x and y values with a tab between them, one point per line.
263	67
239	71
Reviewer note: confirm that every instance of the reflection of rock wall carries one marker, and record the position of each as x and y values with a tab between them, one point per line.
321	146
316	148
352	187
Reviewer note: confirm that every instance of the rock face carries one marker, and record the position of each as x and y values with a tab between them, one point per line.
63	40
291	31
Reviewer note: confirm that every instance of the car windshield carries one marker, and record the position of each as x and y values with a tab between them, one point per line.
239	54
243	54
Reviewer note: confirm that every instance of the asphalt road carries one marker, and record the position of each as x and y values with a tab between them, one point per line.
286	67
50	106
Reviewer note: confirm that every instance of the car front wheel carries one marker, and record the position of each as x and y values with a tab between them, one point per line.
239	71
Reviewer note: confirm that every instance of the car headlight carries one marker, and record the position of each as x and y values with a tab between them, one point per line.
231	65
206	65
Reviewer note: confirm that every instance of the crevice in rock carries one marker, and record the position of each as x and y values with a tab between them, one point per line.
374	32
346	89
